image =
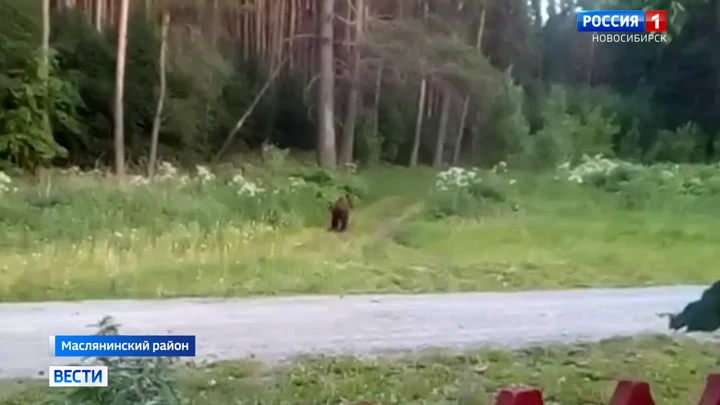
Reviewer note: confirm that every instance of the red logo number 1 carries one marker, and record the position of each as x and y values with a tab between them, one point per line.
655	21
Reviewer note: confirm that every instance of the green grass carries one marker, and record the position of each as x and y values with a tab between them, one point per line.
577	374
80	238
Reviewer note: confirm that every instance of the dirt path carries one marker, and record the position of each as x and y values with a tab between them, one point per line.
275	329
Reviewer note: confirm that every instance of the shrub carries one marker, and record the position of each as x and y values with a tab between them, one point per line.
465	193
685	144
508	125
141	381
567	134
639	185
37	104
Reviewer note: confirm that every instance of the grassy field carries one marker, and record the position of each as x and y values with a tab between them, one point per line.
79	236
579	374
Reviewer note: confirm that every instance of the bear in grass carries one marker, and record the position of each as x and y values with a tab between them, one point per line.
340	213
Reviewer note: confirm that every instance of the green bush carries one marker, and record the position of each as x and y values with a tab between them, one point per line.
683	145
508	126
568	134
466	193
38	103
638	186
140	381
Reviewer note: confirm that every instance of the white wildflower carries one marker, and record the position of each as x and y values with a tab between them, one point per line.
297	182
238	179
205	174
166	171
352	167
246	187
591	166
576	178
5	183
500	168
512	181
139	181
456	177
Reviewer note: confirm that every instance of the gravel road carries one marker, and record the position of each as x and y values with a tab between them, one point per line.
277	329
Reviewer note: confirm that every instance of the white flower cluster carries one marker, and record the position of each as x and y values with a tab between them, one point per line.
351	167
668	174
204	174
139	180
457	178
246	187
6	184
500	168
166	172
76	171
297	182
590	166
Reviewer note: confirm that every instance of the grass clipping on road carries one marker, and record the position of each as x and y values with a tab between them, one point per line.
575	374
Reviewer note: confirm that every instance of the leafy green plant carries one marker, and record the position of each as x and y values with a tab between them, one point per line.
569	133
508	125
135	381
682	145
464	193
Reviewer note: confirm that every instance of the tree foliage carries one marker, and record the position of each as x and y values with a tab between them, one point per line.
537	91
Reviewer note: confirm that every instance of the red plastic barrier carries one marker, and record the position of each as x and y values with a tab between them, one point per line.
630	392
711	395
519	396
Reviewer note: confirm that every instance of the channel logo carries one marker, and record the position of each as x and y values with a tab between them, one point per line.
78	376
622	21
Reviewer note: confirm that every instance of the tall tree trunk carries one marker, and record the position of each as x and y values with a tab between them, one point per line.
119	133
45	62
376	102
442	128
461	130
591	63
45	35
418	123
424	9
99	10
157	121
326	117
466	102
215	29
348	141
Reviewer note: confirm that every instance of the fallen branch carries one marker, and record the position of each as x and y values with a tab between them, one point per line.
251	108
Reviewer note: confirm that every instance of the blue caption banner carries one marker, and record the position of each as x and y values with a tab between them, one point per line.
611	21
122	346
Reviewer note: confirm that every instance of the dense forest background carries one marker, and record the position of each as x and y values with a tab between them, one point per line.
404	81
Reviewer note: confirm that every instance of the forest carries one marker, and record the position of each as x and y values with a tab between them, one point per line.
402	82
